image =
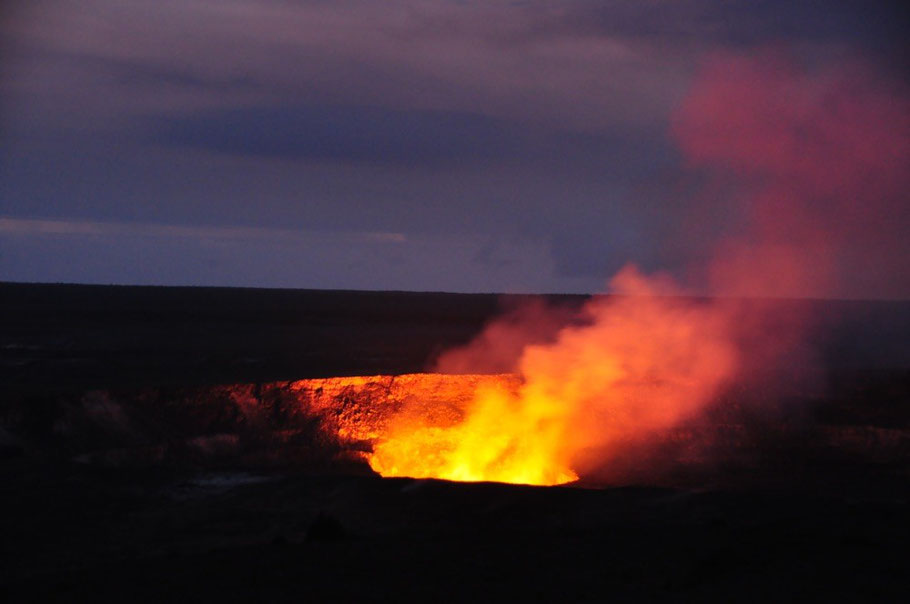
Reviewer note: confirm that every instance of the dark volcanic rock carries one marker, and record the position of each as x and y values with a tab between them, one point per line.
325	527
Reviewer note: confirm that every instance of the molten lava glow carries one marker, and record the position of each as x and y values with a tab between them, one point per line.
640	363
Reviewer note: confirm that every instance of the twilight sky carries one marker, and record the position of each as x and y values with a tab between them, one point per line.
520	146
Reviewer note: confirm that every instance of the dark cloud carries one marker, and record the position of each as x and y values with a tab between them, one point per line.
346	133
871	24
350	133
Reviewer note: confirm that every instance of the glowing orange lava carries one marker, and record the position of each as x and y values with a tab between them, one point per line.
503	437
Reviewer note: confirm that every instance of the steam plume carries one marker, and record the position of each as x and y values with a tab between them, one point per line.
814	165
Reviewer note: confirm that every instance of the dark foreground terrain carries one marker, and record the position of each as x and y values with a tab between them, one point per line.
129	474
89	535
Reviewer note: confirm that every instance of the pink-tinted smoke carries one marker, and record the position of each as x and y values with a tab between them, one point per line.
821	164
815	162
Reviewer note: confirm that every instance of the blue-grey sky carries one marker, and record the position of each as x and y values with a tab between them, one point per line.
517	146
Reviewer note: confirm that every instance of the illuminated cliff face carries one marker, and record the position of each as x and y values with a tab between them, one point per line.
363	408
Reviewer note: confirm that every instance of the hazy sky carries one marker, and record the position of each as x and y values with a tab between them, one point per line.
434	145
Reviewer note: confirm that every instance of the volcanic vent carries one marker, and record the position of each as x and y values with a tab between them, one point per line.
415	425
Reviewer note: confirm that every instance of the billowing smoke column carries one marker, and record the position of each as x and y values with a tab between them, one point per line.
814	172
